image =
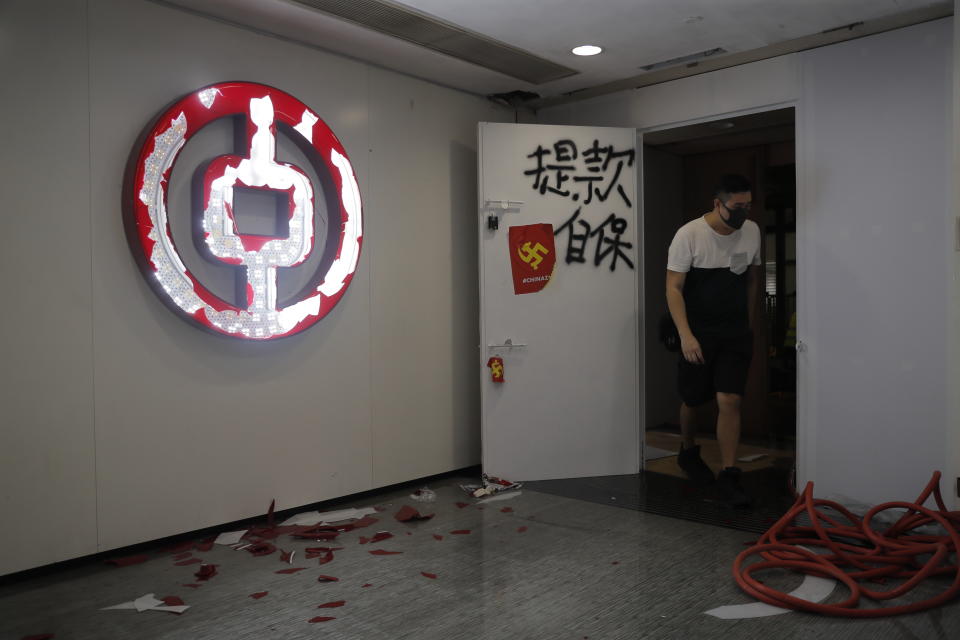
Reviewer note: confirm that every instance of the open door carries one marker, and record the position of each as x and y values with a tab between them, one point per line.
559	273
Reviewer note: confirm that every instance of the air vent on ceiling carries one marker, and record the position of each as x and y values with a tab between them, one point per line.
691	59
426	31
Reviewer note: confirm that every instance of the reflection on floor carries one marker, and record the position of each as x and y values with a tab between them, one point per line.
668	495
710	452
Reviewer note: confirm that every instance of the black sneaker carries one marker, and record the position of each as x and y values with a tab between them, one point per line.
694	466
728	484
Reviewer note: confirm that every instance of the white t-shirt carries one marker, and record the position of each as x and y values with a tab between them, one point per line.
715	288
697	245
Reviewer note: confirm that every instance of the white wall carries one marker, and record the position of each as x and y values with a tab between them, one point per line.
953	281
874	175
123	423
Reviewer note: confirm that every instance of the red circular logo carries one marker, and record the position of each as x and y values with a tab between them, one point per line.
254	167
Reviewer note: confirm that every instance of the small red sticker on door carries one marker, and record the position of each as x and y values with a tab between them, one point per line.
532	257
496	368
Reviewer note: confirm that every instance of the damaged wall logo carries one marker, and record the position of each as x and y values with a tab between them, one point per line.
256	313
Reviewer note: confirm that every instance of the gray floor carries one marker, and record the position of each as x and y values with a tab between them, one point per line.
580	570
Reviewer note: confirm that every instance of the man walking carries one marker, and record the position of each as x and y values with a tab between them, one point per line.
712	281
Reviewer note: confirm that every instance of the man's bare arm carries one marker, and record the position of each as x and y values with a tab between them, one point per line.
753	292
678	311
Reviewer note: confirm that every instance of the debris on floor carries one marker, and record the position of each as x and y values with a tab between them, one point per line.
424	495
490	486
149	602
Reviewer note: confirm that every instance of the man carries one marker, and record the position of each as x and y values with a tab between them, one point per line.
712	281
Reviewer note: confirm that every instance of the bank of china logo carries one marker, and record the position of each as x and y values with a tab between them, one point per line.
254	167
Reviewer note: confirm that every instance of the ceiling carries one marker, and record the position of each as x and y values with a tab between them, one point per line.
634	33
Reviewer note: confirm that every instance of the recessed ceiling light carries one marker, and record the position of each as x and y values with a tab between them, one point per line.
586	50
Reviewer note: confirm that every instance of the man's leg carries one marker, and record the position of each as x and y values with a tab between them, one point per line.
728	427
688	425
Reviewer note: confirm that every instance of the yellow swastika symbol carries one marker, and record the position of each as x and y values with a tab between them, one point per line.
532	255
497	369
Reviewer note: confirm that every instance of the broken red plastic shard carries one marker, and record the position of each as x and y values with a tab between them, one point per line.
521	529
173	601
180	547
366	585
332	605
460	532
193	586
206	545
286	556
437	536
261	549
382	552
184	563
206	571
325	558
408	513
381	535
181	556
270	523
316	552
461	505
365	521
128	560
323	578
258	594
322	619
506	510
364	540
316	533
432	576
290	570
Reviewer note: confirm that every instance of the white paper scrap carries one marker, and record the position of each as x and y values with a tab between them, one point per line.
813	589
149	603
310	518
230	537
177	609
346	514
306	518
751	458
506	495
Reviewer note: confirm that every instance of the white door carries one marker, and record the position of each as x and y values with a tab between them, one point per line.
568	403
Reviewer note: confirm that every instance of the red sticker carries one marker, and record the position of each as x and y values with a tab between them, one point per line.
495	364
532	257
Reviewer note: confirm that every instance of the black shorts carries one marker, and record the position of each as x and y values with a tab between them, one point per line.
726	363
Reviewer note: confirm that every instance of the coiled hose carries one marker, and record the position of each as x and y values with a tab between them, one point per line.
853	552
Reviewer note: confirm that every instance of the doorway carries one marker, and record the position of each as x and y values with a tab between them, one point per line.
680	168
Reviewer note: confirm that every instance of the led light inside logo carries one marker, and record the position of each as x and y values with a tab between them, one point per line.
260	256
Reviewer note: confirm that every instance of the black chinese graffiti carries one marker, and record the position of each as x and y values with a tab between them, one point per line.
580	175
607	234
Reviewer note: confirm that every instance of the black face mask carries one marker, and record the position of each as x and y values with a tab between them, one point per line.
737	216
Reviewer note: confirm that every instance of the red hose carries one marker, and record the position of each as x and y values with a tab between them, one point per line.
873	556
